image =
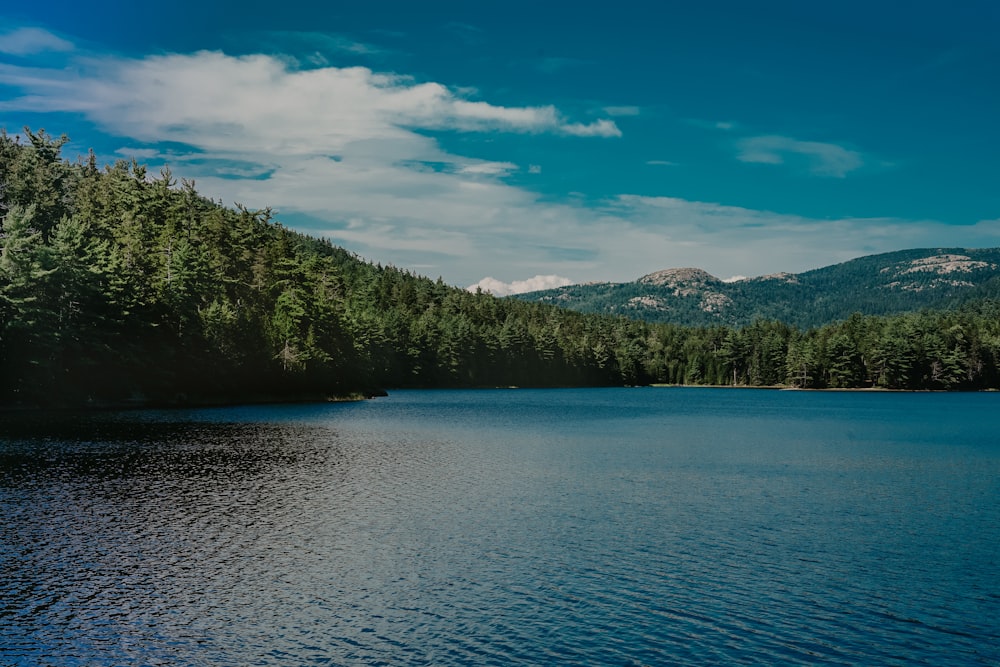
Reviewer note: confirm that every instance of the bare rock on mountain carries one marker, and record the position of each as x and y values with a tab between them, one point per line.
680	278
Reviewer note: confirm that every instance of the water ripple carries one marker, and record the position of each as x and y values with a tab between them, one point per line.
453	532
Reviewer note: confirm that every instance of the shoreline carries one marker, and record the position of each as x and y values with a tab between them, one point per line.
183	402
869	390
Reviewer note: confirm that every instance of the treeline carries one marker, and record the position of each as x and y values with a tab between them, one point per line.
119	285
957	349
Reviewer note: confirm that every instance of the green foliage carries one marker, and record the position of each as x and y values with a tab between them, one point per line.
886	284
117	286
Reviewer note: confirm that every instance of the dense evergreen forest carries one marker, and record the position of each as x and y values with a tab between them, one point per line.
120	286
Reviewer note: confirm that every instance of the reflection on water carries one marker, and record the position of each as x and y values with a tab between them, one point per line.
580	527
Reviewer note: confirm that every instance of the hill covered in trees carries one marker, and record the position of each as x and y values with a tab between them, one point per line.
118	286
885	284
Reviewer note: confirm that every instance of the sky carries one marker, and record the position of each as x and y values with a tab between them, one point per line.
524	145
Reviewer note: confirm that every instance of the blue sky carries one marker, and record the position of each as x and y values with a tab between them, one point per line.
538	143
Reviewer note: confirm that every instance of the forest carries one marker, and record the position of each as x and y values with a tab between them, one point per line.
122	287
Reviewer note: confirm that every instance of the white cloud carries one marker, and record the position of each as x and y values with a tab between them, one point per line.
731	240
30	41
211	99
661	163
488	168
534	169
472	115
825	159
600	128
500	288
342	152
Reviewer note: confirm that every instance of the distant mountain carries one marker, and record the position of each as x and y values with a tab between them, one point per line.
889	283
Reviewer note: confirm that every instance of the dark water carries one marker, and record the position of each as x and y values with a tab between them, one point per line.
597	527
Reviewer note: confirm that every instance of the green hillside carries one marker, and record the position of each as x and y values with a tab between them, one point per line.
117	285
886	284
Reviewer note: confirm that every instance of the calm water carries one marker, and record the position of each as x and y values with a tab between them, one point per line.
598	527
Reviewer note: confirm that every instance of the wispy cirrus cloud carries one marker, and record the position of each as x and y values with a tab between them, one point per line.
623	110
724	125
29	41
824	159
316	48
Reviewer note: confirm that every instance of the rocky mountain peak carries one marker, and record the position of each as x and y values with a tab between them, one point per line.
678	278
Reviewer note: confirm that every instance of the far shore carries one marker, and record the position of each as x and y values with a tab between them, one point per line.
878	390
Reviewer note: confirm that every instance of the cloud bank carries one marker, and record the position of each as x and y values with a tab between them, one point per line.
352	154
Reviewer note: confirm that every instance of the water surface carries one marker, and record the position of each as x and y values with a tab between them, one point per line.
599	526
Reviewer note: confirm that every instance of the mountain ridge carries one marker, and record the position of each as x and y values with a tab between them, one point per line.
880	284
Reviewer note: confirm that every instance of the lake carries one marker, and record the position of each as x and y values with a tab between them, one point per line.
643	526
